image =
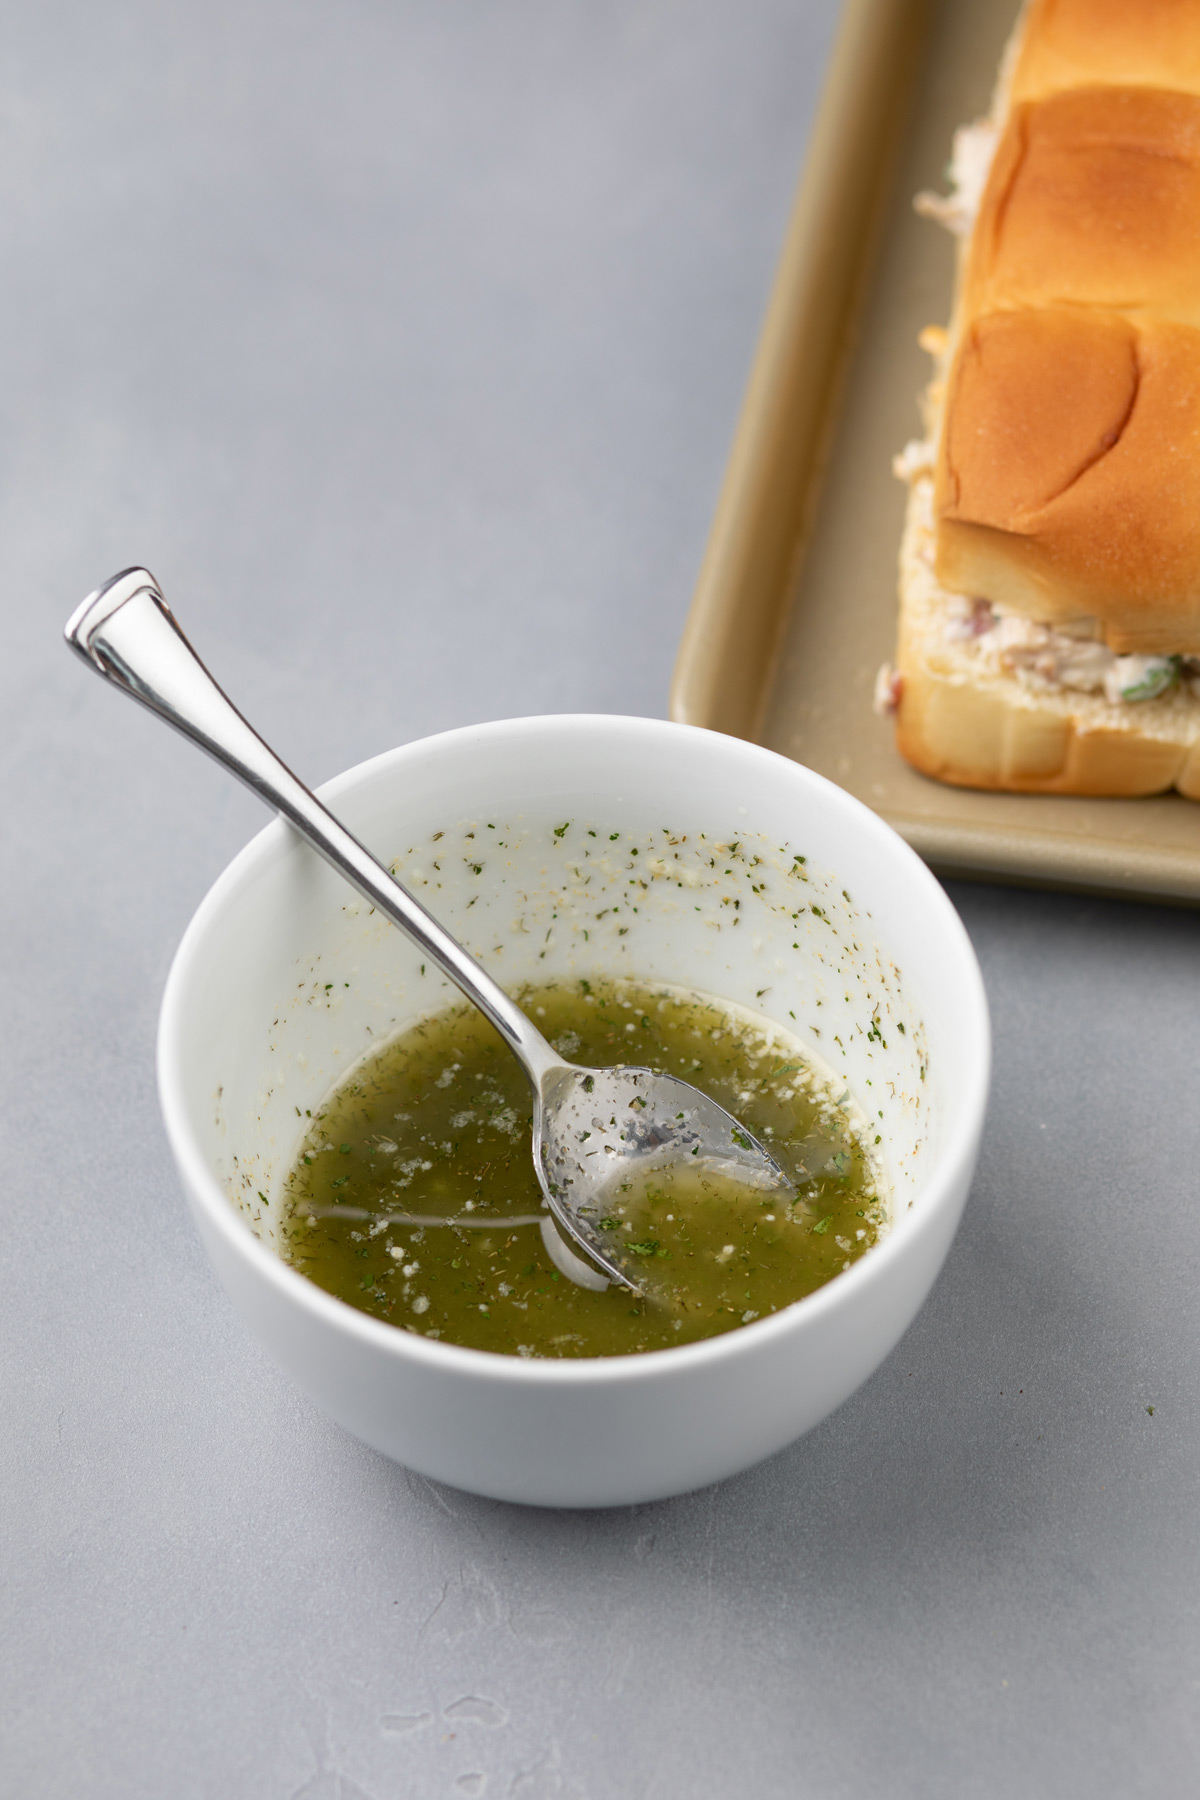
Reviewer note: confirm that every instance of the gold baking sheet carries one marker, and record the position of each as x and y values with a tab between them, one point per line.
795	606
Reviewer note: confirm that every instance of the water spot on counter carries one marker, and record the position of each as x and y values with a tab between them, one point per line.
467	1603
403	1724
474	1709
541	1625
328	1783
471	1784
545	1780
459	1507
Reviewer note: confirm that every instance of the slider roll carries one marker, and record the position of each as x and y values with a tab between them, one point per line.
1050	574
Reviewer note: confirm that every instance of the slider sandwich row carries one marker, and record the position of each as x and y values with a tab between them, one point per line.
1049	633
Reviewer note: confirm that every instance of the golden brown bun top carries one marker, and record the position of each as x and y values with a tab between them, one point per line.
1128	43
1068	474
1068	478
1094	197
1035	399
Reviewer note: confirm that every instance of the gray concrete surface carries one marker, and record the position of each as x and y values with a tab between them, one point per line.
404	342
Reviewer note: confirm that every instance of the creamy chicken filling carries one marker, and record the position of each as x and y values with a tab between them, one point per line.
967	172
1059	657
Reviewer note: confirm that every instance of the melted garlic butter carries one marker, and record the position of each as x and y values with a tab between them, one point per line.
435	1127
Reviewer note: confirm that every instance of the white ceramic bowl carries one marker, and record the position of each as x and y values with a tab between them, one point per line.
284	979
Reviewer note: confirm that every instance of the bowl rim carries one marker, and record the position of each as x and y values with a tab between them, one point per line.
206	1192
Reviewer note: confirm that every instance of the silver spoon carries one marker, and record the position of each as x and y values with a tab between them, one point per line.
592	1128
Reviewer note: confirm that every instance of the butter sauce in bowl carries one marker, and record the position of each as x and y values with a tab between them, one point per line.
413	1197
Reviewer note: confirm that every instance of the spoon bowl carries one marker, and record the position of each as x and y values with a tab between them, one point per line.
599	1132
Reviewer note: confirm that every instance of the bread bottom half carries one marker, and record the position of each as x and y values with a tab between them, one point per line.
962	721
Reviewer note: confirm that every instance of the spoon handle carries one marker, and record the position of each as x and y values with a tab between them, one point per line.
127	632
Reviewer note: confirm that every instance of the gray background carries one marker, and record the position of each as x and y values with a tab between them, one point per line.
404	342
